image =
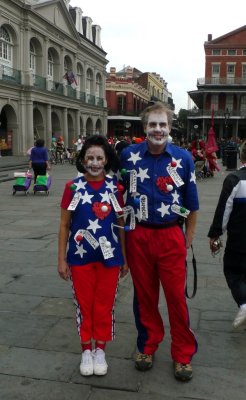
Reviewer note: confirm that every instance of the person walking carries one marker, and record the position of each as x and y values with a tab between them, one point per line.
230	216
90	221
39	159
161	188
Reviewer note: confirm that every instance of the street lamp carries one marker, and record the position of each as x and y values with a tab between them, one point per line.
227	116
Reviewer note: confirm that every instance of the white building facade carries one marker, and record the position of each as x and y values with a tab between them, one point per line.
52	74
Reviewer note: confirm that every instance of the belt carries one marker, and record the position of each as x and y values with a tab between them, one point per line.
159	226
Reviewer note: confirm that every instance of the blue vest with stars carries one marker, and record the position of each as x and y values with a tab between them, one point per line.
88	219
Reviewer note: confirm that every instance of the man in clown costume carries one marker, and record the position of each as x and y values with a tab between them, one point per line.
160	181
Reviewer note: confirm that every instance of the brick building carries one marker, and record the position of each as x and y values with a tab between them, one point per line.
223	89
128	92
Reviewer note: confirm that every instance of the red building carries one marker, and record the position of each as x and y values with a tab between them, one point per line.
223	89
125	100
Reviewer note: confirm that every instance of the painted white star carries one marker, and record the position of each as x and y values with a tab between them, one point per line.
86	198
80	250
105	197
193	177
164	209
178	162
94	225
142	174
80	185
175	196
110	185
134	157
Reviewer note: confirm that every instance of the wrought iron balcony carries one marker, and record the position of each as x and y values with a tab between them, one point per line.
221	81
13	76
10	74
217	113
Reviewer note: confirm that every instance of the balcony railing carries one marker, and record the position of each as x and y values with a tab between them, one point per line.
39	82
10	74
221	81
90	99
71	92
217	114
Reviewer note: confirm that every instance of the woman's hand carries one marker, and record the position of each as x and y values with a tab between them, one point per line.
64	270
124	270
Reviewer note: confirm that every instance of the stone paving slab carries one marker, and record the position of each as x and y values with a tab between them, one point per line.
18	303
101	394
52	287
208	383
18	388
39	364
121	376
30	329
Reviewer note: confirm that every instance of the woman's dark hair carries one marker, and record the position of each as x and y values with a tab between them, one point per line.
113	162
39	142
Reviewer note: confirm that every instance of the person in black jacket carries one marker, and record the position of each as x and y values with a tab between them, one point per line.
230	215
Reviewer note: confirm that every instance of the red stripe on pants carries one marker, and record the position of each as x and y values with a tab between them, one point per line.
158	256
95	288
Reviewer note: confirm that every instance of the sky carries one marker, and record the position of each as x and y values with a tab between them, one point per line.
166	37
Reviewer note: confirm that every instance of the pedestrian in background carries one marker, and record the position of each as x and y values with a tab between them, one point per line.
96	253
39	159
160	181
230	216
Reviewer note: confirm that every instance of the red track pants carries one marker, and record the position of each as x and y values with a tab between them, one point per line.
95	289
158	256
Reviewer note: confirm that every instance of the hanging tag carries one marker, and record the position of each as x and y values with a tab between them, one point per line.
75	201
129	211
143	207
114	201
106	248
133	181
113	234
91	240
180	210
175	176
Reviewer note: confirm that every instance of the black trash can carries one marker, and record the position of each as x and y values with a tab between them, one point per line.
231	158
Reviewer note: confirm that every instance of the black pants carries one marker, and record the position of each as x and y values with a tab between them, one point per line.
235	274
39	169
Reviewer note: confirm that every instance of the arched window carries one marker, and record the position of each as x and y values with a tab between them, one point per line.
50	65
5	46
32	58
98	85
80	77
89	81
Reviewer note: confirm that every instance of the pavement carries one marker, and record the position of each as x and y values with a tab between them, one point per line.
39	345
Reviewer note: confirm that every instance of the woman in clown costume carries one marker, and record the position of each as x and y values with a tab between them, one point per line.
91	216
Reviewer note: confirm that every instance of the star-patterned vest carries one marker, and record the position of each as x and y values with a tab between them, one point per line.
93	234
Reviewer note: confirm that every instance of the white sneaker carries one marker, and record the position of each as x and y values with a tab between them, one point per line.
99	363
240	317
86	365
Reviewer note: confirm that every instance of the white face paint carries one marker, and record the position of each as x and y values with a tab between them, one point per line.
94	160
157	128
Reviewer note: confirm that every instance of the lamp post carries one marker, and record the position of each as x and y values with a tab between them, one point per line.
227	116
